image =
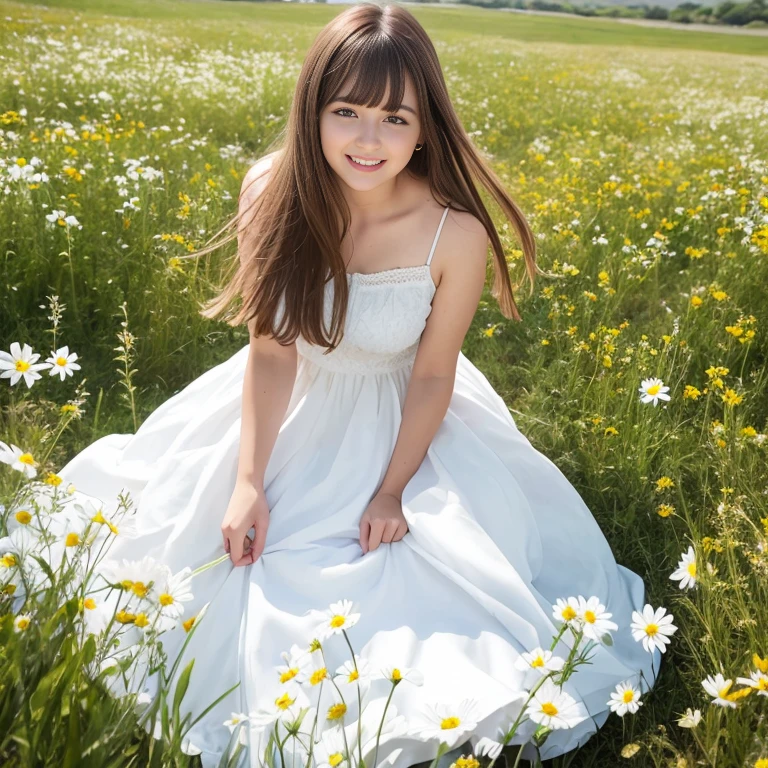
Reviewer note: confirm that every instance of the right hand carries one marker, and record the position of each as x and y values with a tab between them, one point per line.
247	509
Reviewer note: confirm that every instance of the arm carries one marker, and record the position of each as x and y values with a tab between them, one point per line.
434	369
268	381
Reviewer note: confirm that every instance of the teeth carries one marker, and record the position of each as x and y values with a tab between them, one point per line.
360	161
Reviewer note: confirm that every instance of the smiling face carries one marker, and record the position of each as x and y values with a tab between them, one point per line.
369	133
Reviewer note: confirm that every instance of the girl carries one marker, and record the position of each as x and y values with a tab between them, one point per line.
351	452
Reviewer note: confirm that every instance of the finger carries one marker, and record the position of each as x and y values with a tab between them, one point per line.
246	559
376	531
402	529
226	545
393	527
365	532
259	540
236	548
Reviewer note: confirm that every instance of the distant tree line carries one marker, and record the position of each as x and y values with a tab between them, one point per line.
738	14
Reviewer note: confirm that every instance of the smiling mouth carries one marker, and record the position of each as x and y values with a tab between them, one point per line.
367	164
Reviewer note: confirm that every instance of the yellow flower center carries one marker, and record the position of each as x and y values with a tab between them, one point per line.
23	516
318	675
653	389
289	675
284	702
72	540
141	620
22	365
139	588
89	603
396	674
26	458
548	708
569	613
353	675
450	722
8	560
590	617
61	361
338	621
335	759
188	623
628	696
337	711
22	623
692	569
166	599
651	629
538	662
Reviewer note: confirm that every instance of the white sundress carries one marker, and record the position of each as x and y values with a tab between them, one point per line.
496	535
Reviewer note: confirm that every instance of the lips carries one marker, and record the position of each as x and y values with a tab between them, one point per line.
364	168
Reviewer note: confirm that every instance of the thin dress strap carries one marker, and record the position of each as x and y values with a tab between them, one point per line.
437	235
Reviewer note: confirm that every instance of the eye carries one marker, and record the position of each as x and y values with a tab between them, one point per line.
347	109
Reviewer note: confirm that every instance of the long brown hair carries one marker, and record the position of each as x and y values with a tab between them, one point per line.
284	259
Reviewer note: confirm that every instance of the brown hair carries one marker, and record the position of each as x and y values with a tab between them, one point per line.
284	262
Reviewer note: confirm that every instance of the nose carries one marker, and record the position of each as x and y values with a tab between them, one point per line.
368	137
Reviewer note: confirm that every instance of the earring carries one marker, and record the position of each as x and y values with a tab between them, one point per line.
418	148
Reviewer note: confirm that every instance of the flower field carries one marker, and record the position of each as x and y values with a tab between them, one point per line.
640	366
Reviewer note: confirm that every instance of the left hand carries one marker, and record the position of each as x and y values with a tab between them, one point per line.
383	520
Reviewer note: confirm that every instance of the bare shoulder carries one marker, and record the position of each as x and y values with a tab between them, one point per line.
255	178
462	250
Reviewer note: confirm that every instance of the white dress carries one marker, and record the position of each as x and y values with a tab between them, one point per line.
496	535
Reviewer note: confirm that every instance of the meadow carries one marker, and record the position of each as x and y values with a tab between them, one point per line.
640	157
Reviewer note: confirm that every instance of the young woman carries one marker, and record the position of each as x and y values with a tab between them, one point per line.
351	451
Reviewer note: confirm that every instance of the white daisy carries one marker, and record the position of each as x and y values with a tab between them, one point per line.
447	721
332	738
337	618
238	720
331	751
653	628
719	688
487	746
757	680
348	675
567	611
541	660
299	665
653	390
171	591
21	362
397	674
63	363
56	216
136	576
626	698
595	621
22	622
552	707
686	570
23	461
284	707
690	719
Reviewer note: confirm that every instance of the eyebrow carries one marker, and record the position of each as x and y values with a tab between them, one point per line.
402	106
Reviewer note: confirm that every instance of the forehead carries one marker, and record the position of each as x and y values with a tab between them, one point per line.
378	90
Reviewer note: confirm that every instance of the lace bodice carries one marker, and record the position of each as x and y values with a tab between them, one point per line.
386	315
